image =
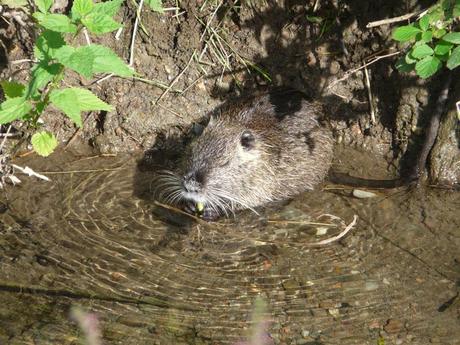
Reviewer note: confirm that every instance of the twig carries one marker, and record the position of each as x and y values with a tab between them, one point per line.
82	171
88	40
133	39
369	93
118	33
171	111
30	172
315	7
392	20
352	71
210	20
156	83
108	76
177	15
300	222
176	78
8	135
458	110
175	209
337	237
191	85
4	138
17	62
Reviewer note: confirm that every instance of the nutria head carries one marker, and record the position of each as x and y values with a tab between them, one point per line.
231	165
250	154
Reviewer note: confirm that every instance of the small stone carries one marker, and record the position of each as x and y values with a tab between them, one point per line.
321	231
334	312
311	59
201	85
290	284
334	68
393	326
305	333
374	325
370	286
362	194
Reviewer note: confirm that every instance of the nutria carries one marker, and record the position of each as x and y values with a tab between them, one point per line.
268	148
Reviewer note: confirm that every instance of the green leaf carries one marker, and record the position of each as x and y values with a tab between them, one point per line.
428	66
13	109
155	5
42	74
44	143
439	33
109	8
452	37
55	22
99	23
73	101
454	59
456	11
442	47
12	89
314	19
421	51
409	58
424	22
88	60
427	36
43	5
106	61
79	59
81	8
21	4
47	43
403	66
63	53
405	33
436	14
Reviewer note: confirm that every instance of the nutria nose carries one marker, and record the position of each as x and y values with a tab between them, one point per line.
193	180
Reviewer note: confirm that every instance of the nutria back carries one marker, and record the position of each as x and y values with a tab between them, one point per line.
267	148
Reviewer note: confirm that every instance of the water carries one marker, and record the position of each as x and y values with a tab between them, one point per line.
94	238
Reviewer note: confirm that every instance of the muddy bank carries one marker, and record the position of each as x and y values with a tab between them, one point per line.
203	54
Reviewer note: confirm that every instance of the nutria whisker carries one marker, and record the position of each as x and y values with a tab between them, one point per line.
233	200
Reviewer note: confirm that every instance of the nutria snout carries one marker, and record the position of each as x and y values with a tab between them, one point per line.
257	151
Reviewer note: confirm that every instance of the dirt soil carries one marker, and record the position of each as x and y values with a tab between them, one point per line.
207	52
85	239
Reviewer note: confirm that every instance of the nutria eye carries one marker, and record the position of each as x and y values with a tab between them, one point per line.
247	140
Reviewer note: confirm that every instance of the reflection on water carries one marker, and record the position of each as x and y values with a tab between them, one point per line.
93	237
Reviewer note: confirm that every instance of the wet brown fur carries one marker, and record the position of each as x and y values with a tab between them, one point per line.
292	153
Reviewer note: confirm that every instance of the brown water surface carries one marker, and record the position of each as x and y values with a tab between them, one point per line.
93	238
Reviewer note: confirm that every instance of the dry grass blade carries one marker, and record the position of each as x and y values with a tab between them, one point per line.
354	70
176	78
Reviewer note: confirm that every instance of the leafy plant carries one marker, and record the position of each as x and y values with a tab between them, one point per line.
53	56
155	5
433	44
